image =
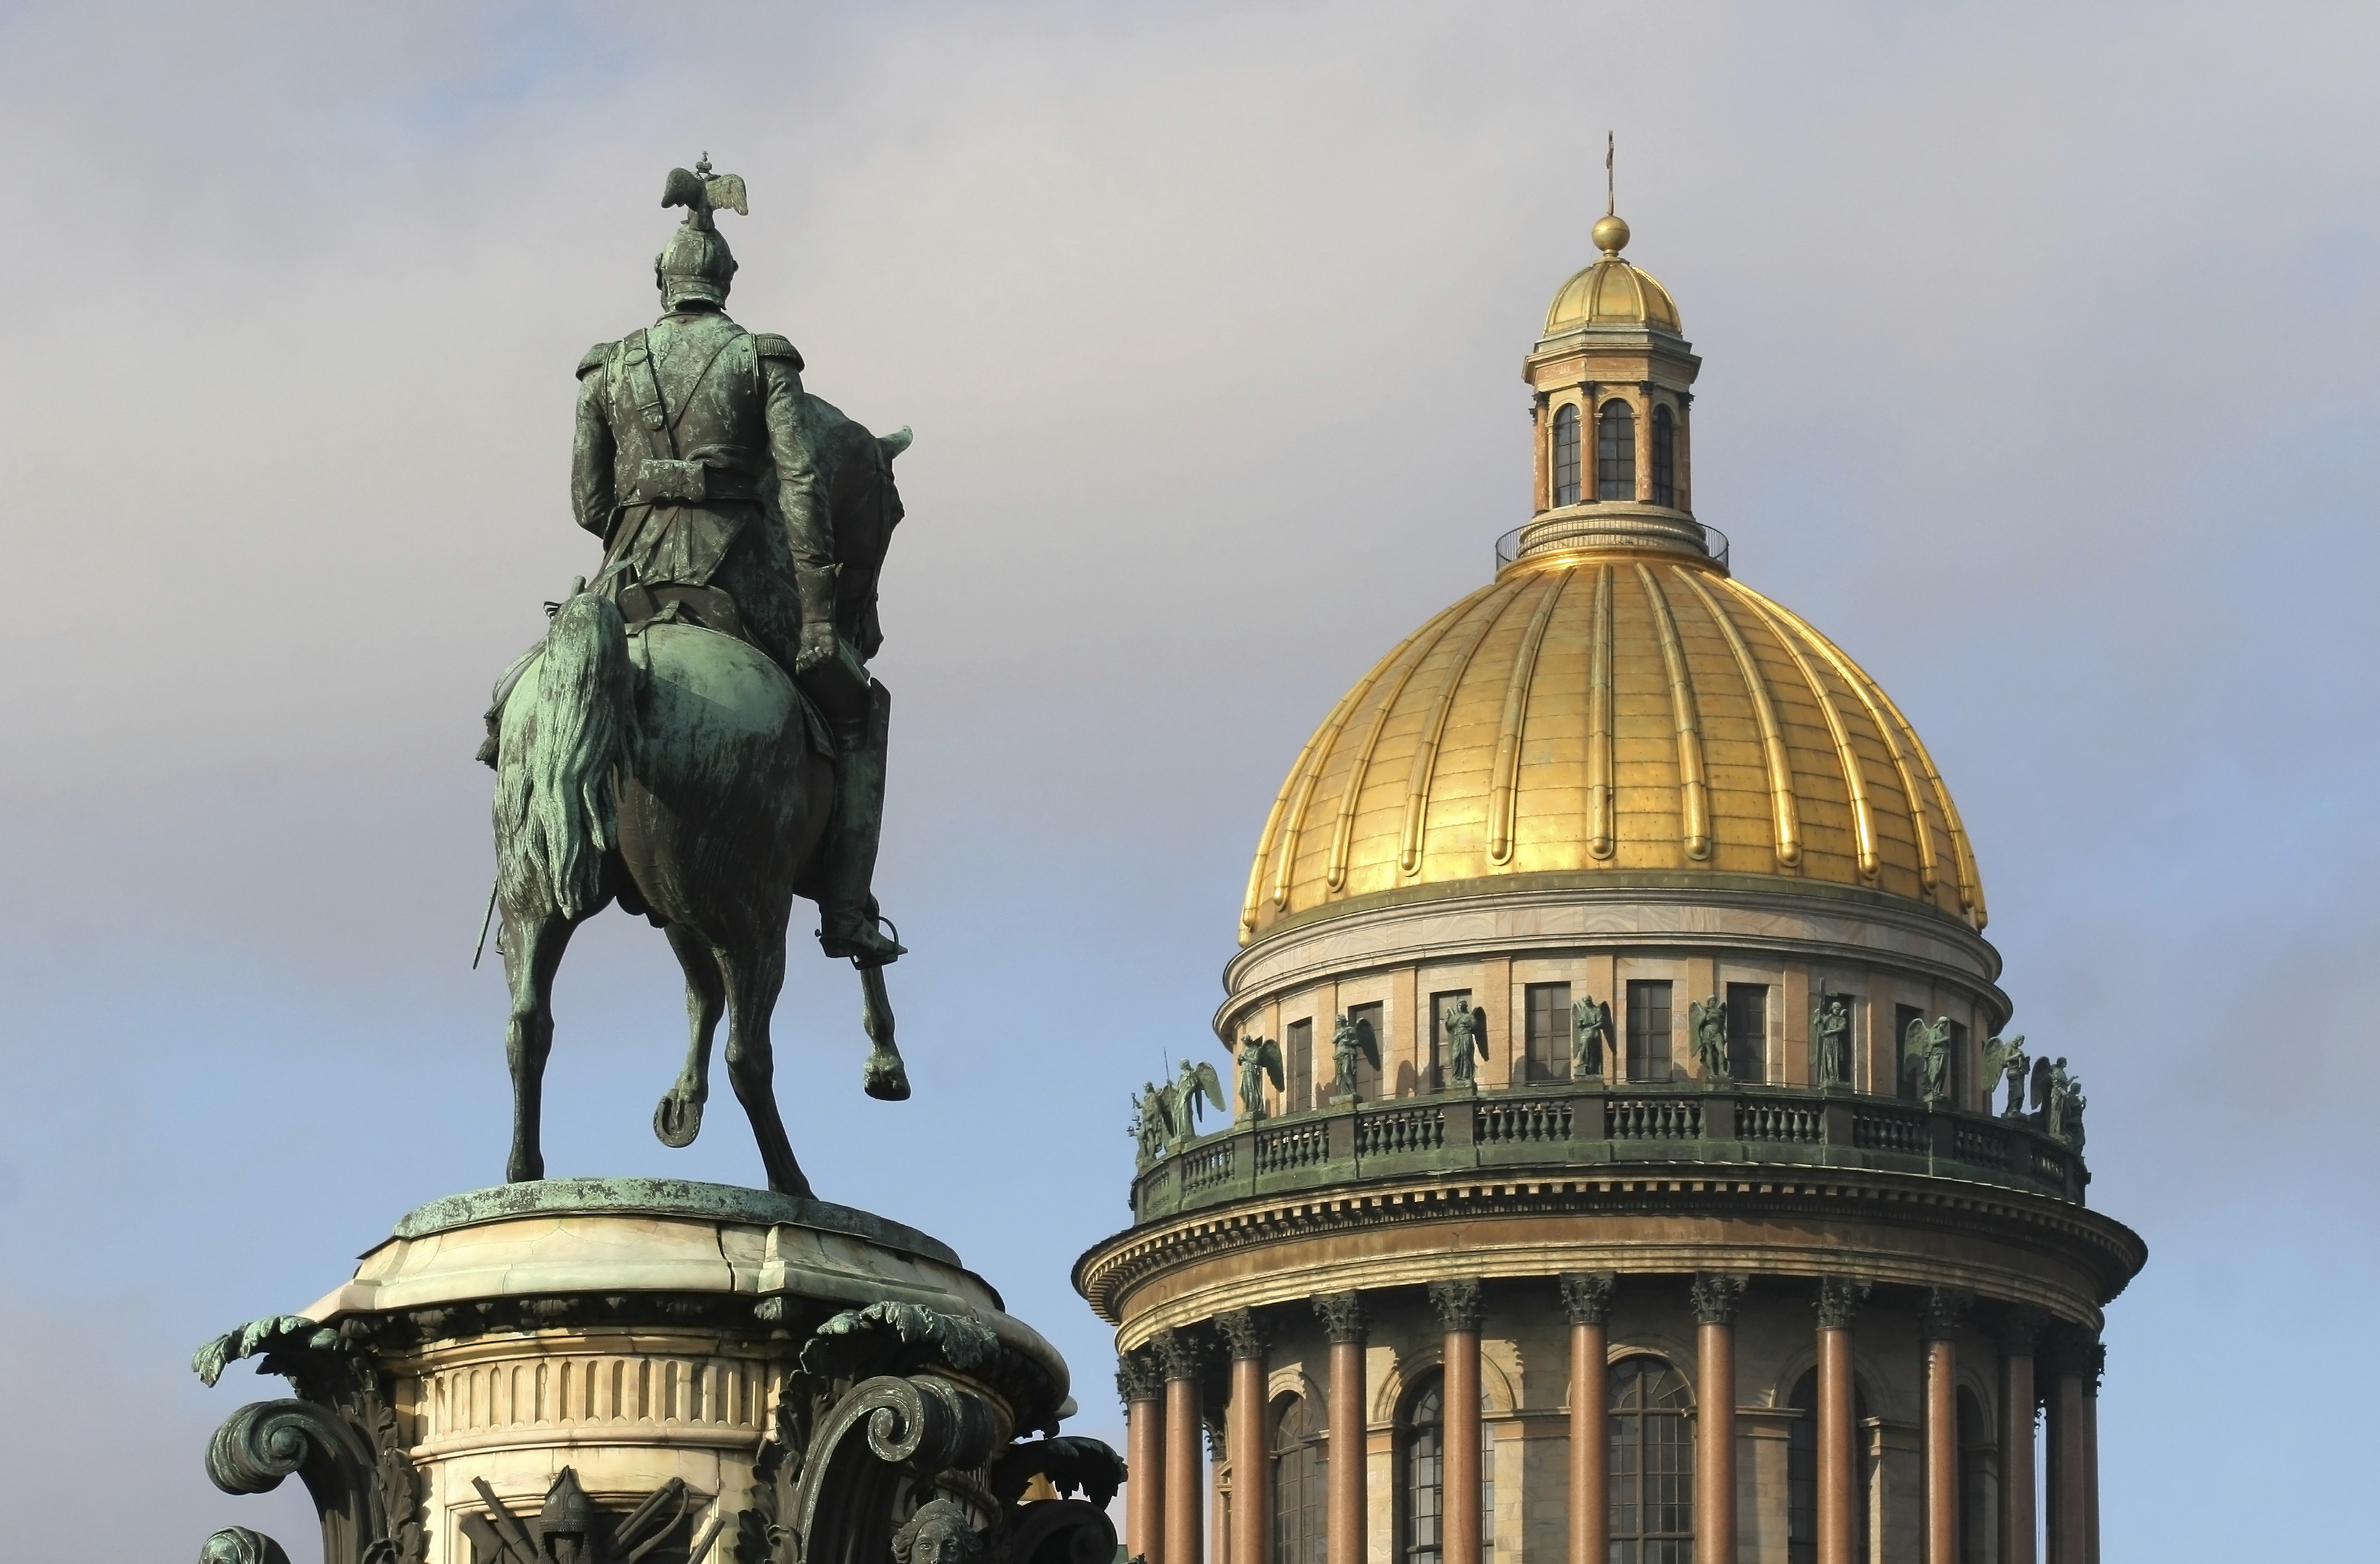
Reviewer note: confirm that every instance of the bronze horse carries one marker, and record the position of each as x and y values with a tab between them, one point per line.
677	771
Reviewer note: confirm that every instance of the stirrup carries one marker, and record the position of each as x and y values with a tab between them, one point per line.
863	945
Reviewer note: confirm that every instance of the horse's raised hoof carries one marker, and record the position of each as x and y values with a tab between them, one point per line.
678	1120
887	1079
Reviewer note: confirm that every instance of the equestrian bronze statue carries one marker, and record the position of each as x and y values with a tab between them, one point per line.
698	737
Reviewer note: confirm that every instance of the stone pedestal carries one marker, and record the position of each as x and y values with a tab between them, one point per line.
684	1350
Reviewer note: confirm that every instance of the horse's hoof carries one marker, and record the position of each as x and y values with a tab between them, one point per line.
524	1169
887	1079
677	1121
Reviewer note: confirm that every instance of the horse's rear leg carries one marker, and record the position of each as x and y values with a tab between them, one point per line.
533	945
679	1117
754	974
885	1078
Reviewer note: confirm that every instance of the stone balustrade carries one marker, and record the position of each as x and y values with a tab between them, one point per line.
1576	1125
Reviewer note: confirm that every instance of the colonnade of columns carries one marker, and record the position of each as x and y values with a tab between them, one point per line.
1163	1389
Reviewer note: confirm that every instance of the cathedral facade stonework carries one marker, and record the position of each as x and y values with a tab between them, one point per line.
1627	1161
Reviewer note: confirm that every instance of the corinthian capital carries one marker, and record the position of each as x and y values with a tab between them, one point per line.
1586	1296
1946	1312
1243	1332
1457	1304
1341	1314
1840	1298
2020	1328
1138	1376
1180	1354
1716	1296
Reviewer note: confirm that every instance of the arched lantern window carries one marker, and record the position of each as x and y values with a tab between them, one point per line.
1566	455
1652	1464
1615	451
1664	458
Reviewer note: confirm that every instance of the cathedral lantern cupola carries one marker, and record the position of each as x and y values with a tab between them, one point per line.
1611	375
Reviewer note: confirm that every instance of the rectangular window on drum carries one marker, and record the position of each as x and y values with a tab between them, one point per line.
1747	1031
1907	1065
1548	1037
1648	1031
1961	1081
1368	1021
1299	1047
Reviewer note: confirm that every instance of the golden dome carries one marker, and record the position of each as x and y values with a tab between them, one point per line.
1624	710
1611	292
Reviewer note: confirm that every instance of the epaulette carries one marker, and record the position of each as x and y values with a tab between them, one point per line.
768	344
594	358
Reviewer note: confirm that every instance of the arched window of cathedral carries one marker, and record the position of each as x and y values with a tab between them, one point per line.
1300	1481
1652	1464
1615	451
1566	455
1802	1476
1421	1476
1664	458
1975	1453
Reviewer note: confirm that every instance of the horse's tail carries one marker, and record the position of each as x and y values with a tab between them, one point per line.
557	799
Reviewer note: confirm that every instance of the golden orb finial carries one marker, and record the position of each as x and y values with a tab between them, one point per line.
1611	234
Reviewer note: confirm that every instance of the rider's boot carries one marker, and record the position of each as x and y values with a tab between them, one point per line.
814	588
849	924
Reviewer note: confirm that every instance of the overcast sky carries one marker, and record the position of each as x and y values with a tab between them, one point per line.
2039	372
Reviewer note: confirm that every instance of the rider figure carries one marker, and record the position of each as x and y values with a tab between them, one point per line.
697	461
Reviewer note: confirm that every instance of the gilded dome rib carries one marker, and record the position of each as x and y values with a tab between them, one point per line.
1785	808
1855	776
1425	758
1871	696
1306	776
1343	829
1516	703
1856	679
1694	790
1971	880
1600	840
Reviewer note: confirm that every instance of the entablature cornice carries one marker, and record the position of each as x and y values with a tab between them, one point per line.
2011	1247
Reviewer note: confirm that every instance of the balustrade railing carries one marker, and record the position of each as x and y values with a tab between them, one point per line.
1568	1125
1528	1121
1661	1117
1299	1145
1887	1129
1400	1129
